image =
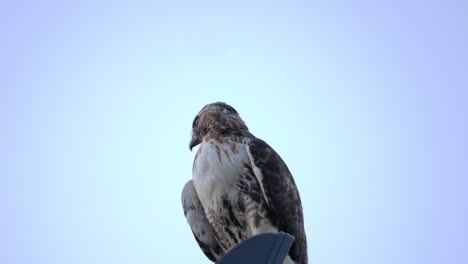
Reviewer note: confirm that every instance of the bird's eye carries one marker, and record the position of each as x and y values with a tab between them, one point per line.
195	122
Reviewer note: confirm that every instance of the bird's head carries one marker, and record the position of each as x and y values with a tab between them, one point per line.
215	119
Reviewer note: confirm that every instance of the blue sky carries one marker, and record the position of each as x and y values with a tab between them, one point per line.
365	101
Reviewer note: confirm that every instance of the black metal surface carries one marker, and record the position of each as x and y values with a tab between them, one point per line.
270	248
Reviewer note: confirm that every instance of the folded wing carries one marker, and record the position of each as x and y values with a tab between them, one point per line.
281	194
201	229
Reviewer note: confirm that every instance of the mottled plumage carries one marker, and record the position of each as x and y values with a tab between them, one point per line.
241	187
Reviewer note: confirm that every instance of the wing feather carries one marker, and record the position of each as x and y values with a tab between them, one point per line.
281	194
201	228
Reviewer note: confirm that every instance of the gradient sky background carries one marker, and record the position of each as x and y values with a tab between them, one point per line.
366	102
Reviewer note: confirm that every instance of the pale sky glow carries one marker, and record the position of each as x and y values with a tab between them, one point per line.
366	103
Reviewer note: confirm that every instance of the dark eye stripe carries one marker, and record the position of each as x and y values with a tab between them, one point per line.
195	121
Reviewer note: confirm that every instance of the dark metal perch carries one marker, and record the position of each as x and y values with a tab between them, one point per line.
267	248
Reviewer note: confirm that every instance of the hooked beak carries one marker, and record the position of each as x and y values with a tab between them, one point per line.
193	142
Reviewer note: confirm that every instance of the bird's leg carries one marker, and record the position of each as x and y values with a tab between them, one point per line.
258	221
260	225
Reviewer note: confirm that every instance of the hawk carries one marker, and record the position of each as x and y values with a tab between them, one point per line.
240	187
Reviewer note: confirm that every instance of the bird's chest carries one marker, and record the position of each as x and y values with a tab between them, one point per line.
217	170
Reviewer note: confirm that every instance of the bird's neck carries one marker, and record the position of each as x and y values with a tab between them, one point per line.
232	135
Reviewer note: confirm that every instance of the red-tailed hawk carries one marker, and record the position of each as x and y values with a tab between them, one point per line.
240	188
